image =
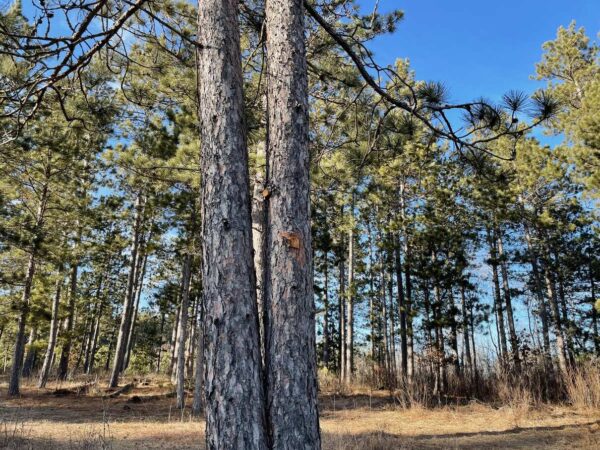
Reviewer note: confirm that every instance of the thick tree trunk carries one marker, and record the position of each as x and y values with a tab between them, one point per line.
514	341
235	412
182	332
63	365
126	314
290	345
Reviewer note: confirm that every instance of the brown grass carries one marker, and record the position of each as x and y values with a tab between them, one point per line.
365	419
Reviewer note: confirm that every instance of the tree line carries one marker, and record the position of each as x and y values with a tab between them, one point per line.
330	214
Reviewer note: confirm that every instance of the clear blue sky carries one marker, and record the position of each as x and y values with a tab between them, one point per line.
478	47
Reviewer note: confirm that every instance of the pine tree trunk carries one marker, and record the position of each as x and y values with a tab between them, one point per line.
182	332
137	295
290	344
543	310
514	341
349	359
595	335
126	315
468	365
31	353
259	242
342	319
401	312
326	326
174	342
498	301
197	403
561	347
235	414
19	352
63	365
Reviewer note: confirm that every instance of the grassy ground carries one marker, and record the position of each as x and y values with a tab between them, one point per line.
145	417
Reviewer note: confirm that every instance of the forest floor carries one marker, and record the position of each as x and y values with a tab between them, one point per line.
83	416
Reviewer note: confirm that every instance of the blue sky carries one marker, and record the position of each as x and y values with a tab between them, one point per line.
478	48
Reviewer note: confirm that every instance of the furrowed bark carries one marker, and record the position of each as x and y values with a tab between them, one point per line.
235	415
290	338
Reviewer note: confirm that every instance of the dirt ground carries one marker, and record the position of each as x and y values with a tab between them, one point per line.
74	417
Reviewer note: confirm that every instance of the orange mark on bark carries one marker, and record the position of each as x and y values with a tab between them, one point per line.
294	242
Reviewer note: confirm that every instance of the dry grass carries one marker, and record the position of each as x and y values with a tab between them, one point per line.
366	420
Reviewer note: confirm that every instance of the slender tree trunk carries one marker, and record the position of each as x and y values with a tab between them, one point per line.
63	365
561	347
197	403
173	344
348	371
342	319
498	301
538	286
182	332
161	343
259	242
19	349
595	335
468	365
137	295
126	315
401	312
326	327
235	412
290	345
31	353
94	342
514	341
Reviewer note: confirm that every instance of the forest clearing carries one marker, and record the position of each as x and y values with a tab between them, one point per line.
147	417
299	224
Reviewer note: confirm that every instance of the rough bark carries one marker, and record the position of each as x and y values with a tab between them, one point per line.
235	412
43	379
290	344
